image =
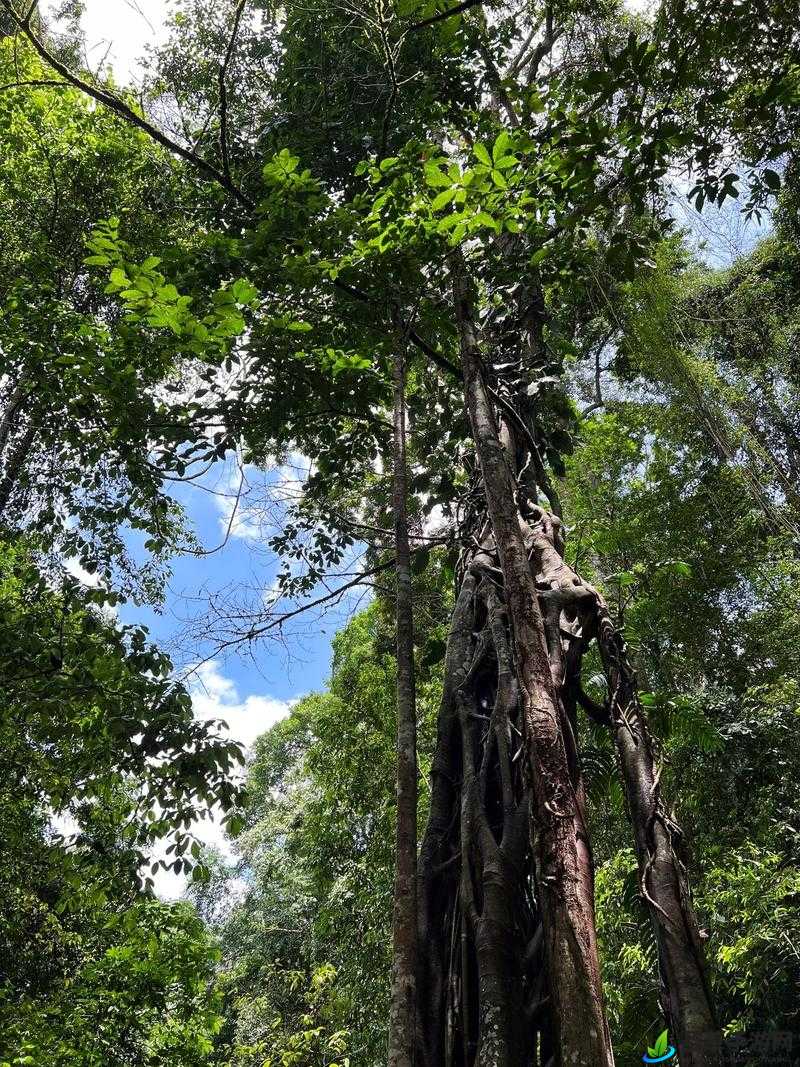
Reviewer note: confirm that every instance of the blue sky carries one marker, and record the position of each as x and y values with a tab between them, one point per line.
248	690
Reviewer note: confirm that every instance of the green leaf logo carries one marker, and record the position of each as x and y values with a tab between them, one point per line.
661	1045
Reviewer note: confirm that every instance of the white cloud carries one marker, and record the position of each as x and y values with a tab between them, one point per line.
252	498
118	32
231	502
215	696
73	567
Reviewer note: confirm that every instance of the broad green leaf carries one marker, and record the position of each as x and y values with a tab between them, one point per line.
443	199
481	152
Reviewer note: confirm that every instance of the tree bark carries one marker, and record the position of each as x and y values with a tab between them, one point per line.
14	465
685	991
402	1019
560	838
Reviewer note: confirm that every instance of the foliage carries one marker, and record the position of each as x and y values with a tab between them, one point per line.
316	858
125	982
150	325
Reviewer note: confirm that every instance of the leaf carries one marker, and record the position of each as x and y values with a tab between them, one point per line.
771	179
119	278
662	1043
502	146
435	178
482	153
443	199
485	219
535	103
499	180
243	292
235	825
679	567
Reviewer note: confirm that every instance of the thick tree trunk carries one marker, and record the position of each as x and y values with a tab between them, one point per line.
480	972
402	1021
560	837
509	974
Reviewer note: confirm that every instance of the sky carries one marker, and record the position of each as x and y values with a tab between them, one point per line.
122	29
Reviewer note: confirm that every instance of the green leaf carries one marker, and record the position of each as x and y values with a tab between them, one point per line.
502	146
485	219
625	578
243	292
435	178
481	152
443	199
662	1043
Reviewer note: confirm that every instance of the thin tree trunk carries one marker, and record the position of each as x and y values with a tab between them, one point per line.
685	991
402	1019
8	418
560	838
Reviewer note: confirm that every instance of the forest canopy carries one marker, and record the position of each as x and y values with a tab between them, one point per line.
494	311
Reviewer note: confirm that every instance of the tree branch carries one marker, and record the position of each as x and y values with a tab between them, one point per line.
125	111
223	91
465	6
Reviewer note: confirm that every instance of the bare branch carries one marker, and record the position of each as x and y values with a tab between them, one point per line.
223	90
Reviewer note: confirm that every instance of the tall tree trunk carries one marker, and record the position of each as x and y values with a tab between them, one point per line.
510	973
402	1020
560	838
685	991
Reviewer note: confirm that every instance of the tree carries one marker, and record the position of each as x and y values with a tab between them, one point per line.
542	148
101	760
